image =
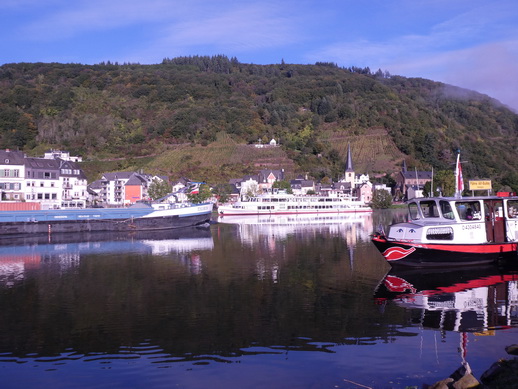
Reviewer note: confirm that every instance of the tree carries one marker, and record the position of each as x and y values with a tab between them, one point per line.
252	190
158	189
222	191
204	193
445	180
283	185
381	199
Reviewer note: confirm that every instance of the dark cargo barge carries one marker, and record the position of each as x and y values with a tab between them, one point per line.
138	218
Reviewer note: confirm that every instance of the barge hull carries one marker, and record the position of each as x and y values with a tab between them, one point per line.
8	229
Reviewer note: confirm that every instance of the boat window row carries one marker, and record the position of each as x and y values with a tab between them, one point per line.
295	199
467	210
296	207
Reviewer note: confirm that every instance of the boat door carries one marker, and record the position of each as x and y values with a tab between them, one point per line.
494	217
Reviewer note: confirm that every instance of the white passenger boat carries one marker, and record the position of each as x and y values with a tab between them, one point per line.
286	204
453	231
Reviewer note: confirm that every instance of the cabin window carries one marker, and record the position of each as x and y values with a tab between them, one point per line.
413	211
446	210
512	208
468	210
429	209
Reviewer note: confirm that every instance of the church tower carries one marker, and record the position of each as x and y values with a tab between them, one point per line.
349	170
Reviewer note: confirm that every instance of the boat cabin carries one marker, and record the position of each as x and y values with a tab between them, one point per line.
455	220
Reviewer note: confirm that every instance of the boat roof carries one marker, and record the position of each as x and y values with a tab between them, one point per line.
465	198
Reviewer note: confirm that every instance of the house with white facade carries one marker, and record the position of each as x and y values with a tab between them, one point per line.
123	188
55	183
12	175
73	183
301	186
64	155
112	187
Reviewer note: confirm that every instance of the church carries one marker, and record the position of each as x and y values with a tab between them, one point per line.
358	186
410	184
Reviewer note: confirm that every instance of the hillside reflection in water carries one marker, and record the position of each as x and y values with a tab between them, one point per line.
255	303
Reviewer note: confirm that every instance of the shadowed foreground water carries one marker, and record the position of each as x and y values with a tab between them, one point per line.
247	303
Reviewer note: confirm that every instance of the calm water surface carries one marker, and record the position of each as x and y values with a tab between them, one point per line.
247	303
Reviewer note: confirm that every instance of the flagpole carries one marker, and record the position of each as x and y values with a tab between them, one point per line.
457	176
459	180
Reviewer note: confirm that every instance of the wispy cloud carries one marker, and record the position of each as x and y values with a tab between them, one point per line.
80	17
227	30
477	49
249	28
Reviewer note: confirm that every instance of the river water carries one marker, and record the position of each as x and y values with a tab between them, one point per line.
245	303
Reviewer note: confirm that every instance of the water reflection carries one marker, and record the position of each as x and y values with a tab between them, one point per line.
460	299
64	251
352	226
271	232
252	305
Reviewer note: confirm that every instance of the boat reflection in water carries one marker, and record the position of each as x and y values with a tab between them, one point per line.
475	303
358	225
19	255
460	299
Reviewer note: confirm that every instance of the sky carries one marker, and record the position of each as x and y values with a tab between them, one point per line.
468	43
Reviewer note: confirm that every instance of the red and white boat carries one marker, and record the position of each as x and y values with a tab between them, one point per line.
453	231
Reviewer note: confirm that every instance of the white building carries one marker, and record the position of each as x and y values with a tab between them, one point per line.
12	175
64	155
74	185
249	187
54	183
123	188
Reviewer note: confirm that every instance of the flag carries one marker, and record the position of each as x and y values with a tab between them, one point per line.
459	184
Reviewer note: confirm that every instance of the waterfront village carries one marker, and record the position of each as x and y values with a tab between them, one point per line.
56	181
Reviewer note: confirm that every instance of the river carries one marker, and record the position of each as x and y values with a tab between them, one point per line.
245	303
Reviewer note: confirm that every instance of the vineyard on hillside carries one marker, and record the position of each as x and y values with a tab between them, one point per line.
219	161
372	152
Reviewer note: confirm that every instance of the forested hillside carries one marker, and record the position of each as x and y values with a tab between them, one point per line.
194	115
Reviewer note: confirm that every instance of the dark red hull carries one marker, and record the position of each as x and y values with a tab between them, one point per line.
430	255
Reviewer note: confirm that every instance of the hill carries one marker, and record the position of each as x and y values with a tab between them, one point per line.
200	116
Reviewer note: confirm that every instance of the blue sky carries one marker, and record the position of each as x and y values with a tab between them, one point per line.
468	43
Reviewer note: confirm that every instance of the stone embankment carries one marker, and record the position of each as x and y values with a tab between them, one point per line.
502	374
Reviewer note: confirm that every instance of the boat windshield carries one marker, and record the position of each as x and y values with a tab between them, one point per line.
512	209
446	210
413	211
429	209
468	210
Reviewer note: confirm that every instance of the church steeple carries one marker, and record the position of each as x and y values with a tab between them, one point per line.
349	169
349	164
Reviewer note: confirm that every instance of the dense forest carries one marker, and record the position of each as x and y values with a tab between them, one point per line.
122	112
